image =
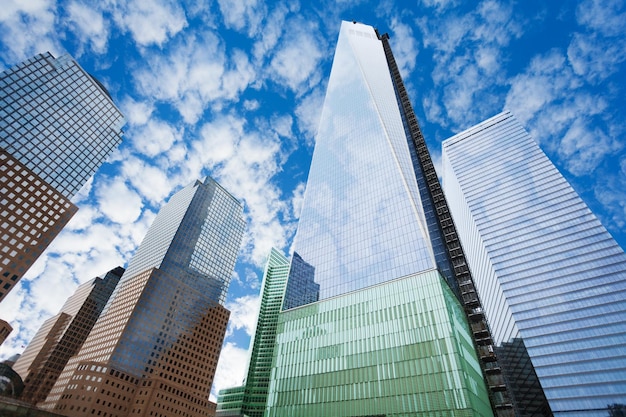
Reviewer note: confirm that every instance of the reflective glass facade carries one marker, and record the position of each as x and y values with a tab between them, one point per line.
402	348
251	399
362	222
164	326
354	335
57	126
551	278
57	120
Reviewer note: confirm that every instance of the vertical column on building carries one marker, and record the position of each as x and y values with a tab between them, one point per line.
483	341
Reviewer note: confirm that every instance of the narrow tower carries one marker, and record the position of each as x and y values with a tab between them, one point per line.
251	398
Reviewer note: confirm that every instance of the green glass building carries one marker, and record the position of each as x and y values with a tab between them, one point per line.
250	399
372	322
402	348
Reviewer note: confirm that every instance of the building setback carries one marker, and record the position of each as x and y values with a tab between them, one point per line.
373	322
551	278
154	349
251	398
62	335
58	124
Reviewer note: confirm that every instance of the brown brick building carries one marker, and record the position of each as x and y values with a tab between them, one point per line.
62	335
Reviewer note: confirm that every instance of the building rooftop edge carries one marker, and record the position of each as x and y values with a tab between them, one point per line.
485	124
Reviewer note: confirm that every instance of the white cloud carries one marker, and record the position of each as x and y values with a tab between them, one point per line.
583	147
546	78
272	31
243	314
230	370
497	25
308	113
404	47
595	58
84	218
297	200
552	101
195	75
219	140
553	119
119	203
469	53
89	25
604	16
433	108
243	15
155	137
487	58
28	29
282	125
251	105
439	5
152	182
136	112
150	21
296	61
610	190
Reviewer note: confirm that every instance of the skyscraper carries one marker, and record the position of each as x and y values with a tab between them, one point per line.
58	124
251	398
62	335
373	323
551	278
154	350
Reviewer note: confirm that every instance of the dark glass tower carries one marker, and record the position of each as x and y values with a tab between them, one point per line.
155	348
378	295
57	126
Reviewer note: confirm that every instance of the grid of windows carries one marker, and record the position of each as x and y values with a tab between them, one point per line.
57	120
551	278
262	345
402	348
165	324
32	214
62	335
363	221
57	126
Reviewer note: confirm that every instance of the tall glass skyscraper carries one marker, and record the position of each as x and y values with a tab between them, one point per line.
58	124
551	278
251	398
155	348
373	323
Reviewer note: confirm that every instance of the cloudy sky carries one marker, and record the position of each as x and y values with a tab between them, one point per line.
233	89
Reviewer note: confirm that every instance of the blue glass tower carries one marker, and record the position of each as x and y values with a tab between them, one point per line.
551	278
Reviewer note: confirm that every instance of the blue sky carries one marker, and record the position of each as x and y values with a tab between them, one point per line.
233	89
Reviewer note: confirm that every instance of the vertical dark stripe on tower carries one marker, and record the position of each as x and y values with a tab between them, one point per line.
461	282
